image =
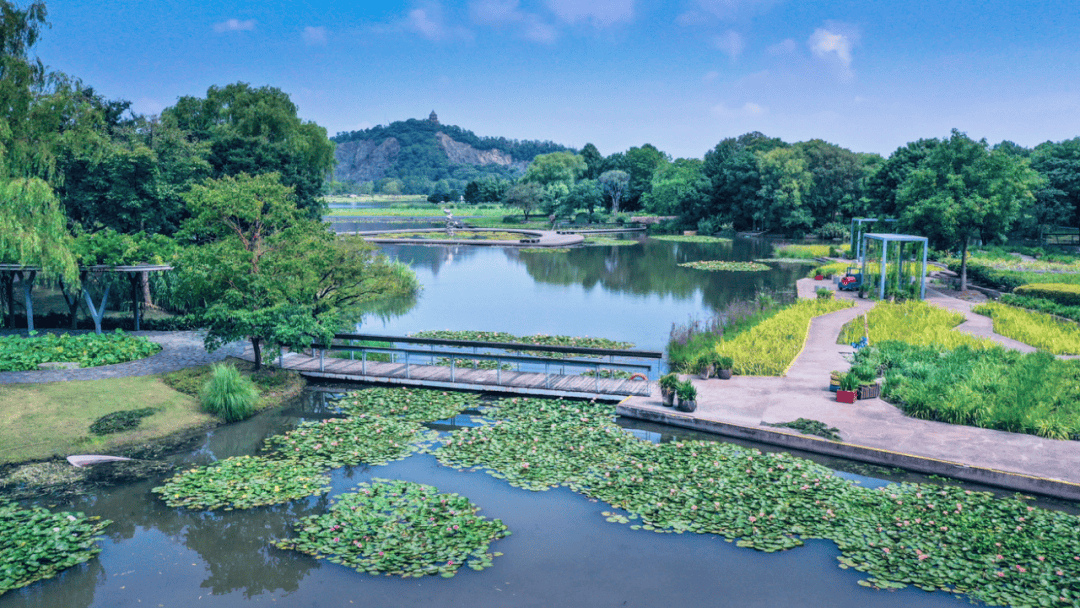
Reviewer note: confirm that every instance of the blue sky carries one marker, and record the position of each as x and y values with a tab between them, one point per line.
682	75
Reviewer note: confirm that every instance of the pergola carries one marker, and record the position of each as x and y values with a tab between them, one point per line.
857	232
900	239
27	275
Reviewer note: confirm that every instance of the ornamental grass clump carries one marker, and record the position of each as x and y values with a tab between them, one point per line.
243	482
769	347
919	323
1042	331
400	528
36	544
228	395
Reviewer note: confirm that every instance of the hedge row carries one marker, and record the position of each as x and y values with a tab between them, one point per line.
1062	293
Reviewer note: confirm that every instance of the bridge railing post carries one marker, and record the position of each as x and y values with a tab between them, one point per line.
363	362
322	363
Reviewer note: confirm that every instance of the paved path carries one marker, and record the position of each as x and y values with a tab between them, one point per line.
180	349
548	238
976	324
803	393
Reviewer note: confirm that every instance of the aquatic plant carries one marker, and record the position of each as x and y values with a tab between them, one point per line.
243	482
544	249
538	340
399	528
20	353
680	238
768	348
338	442
601	241
1033	328
36	544
418	405
228	395
724	265
803	251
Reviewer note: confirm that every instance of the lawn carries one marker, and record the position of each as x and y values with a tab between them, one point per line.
39	421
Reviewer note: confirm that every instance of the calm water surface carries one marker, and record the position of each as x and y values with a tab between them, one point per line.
562	551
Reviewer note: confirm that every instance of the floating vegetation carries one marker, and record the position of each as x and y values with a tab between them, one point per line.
36	544
682	238
339	442
600	241
400	528
544	249
473	364
724	265
118	422
1044	332
19	353
999	551
786	261
538	340
243	482
417	405
810	427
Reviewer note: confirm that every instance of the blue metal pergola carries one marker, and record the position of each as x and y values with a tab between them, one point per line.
857	232
885	240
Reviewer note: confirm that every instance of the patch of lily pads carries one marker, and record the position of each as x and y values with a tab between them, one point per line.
400	528
680	238
243	482
808	262
544	250
339	442
417	405
36	544
1001	551
725	265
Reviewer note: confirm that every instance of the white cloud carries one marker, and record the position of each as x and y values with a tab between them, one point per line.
600	13
705	10
710	76
731	43
315	36
495	12
784	47
834	42
536	30
234	25
747	110
428	21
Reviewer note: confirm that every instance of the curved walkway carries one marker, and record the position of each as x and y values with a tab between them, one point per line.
180	349
547	238
743	405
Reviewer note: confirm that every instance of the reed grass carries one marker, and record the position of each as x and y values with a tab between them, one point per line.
1044	332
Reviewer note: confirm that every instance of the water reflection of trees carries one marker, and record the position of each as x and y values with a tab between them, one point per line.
432	257
653	268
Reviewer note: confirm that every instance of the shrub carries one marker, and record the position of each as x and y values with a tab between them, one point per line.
833	230
669	382
1062	293
830	269
686	391
1033	328
824	293
18	353
228	395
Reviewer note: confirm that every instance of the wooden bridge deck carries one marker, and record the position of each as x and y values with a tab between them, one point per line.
436	376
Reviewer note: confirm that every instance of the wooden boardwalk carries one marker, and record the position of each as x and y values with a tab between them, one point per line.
437	376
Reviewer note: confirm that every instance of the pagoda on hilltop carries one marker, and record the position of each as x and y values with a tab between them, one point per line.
433	118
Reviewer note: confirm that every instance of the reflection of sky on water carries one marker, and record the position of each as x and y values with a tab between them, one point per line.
631	293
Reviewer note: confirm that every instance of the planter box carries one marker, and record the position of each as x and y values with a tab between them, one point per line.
819	277
845	396
870	391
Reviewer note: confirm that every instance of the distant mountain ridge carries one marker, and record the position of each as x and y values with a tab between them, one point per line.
423	152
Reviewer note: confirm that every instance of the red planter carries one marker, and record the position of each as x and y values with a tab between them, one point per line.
819	277
845	396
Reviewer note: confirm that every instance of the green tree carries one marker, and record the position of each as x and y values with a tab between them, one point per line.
614	184
1060	164
555	168
882	187
641	164
785	180
963	191
837	184
594	162
585	194
734	179
257	130
678	188
525	196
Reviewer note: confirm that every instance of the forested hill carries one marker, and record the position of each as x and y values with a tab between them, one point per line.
421	153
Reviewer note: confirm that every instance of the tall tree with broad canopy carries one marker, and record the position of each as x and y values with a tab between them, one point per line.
525	196
785	182
1060	163
963	191
555	168
614	184
883	186
260	270
256	130
734	178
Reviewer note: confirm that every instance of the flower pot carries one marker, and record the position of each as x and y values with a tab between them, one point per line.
686	405
724	374
845	396
819	277
870	391
834	387
707	373
668	397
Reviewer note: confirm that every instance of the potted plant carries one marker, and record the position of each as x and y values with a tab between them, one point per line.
869	390
846	391
705	365
687	397
668	385
834	380
824	293
724	364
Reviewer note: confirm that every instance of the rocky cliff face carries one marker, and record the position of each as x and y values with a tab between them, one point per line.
464	154
363	161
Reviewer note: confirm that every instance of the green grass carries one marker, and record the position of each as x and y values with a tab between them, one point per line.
228	395
39	421
1037	329
378	198
770	347
803	251
919	323
1042	305
853	331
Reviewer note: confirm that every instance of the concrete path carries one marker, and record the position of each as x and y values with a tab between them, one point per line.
547	238
753	401
976	324
180	349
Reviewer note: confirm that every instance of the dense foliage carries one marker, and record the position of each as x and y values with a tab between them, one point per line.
1064	294
921	324
769	348
36	544
18	353
1042	305
399	528
1042	331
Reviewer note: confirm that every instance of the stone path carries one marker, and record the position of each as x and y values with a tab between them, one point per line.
803	393
180	349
